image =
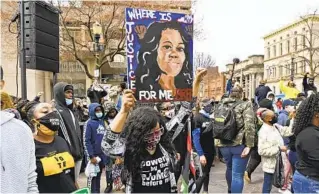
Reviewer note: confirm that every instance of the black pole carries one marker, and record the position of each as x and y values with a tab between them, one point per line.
292	69
22	54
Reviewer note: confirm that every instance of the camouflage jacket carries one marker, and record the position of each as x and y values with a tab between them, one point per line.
245	121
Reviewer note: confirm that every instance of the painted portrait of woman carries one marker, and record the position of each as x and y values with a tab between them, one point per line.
163	59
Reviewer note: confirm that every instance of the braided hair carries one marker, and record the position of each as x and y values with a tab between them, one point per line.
306	112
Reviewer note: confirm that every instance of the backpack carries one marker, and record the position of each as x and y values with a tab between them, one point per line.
224	122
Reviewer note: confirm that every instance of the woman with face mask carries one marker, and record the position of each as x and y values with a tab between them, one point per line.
55	164
270	144
149	158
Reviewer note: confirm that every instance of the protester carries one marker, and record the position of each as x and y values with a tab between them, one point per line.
110	111
235	152
69	124
203	142
55	164
18	174
306	177
119	101
262	91
271	97
255	158
308	84
270	143
288	108
6	101
94	130
290	91
279	104
96	92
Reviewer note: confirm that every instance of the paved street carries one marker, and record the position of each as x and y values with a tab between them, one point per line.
217	181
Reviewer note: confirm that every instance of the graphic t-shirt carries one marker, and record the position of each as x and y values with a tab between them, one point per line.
155	174
206	137
55	167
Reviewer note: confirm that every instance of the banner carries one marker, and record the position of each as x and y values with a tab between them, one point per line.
159	55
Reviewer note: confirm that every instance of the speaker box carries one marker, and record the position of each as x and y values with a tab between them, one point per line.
41	36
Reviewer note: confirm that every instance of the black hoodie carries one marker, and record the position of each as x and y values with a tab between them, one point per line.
69	128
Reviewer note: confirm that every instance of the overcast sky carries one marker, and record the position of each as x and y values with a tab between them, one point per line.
235	28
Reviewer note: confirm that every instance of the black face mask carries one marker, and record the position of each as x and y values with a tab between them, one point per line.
208	108
274	120
51	121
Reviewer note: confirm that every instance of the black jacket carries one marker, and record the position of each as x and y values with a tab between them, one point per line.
261	92
307	148
307	86
95	96
69	128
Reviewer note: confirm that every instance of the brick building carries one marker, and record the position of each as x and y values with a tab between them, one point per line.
213	85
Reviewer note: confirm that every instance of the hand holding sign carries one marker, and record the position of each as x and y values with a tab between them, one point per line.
128	101
200	74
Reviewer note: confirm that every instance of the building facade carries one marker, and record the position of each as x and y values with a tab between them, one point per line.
287	52
213	85
248	73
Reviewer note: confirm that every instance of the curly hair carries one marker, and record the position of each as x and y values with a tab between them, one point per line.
148	71
305	113
139	124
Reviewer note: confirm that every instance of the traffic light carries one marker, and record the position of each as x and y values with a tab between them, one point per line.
41	36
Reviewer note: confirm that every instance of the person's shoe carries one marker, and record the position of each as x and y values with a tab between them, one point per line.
247	177
108	188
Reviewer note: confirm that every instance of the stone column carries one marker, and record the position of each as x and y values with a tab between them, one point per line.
250	85
253	85
246	86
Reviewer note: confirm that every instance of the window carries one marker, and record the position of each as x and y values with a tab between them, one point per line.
296	43
287	69
280	70
274	72
288	46
274	89
274	48
280	49
268	52
304	41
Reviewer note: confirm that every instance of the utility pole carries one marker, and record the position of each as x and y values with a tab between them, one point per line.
22	54
292	69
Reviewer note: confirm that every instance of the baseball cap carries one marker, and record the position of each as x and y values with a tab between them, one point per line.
266	103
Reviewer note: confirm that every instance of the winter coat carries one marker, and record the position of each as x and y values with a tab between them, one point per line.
290	93
269	141
307	87
69	125
93	133
18	172
261	92
245	122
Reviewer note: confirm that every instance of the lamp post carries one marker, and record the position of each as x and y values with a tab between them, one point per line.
293	56
97	31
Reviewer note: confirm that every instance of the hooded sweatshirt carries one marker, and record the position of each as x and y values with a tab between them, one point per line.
18	172
94	130
290	93
69	128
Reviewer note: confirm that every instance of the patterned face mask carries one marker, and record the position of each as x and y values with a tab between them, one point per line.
153	138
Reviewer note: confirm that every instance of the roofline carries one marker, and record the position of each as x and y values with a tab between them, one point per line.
289	26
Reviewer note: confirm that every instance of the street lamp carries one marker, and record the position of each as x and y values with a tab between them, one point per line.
97	31
293	57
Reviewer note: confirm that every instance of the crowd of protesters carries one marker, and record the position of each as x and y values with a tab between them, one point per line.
145	149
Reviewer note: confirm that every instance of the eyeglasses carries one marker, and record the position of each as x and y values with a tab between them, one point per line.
156	133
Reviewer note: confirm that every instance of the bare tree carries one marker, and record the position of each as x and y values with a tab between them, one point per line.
310	42
79	46
204	60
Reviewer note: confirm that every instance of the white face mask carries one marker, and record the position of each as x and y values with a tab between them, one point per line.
170	114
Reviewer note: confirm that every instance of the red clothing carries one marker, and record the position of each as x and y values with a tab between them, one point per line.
279	105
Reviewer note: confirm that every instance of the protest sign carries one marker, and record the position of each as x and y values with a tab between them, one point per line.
159	55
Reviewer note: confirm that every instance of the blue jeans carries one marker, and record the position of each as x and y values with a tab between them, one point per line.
267	182
303	184
236	166
292	156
